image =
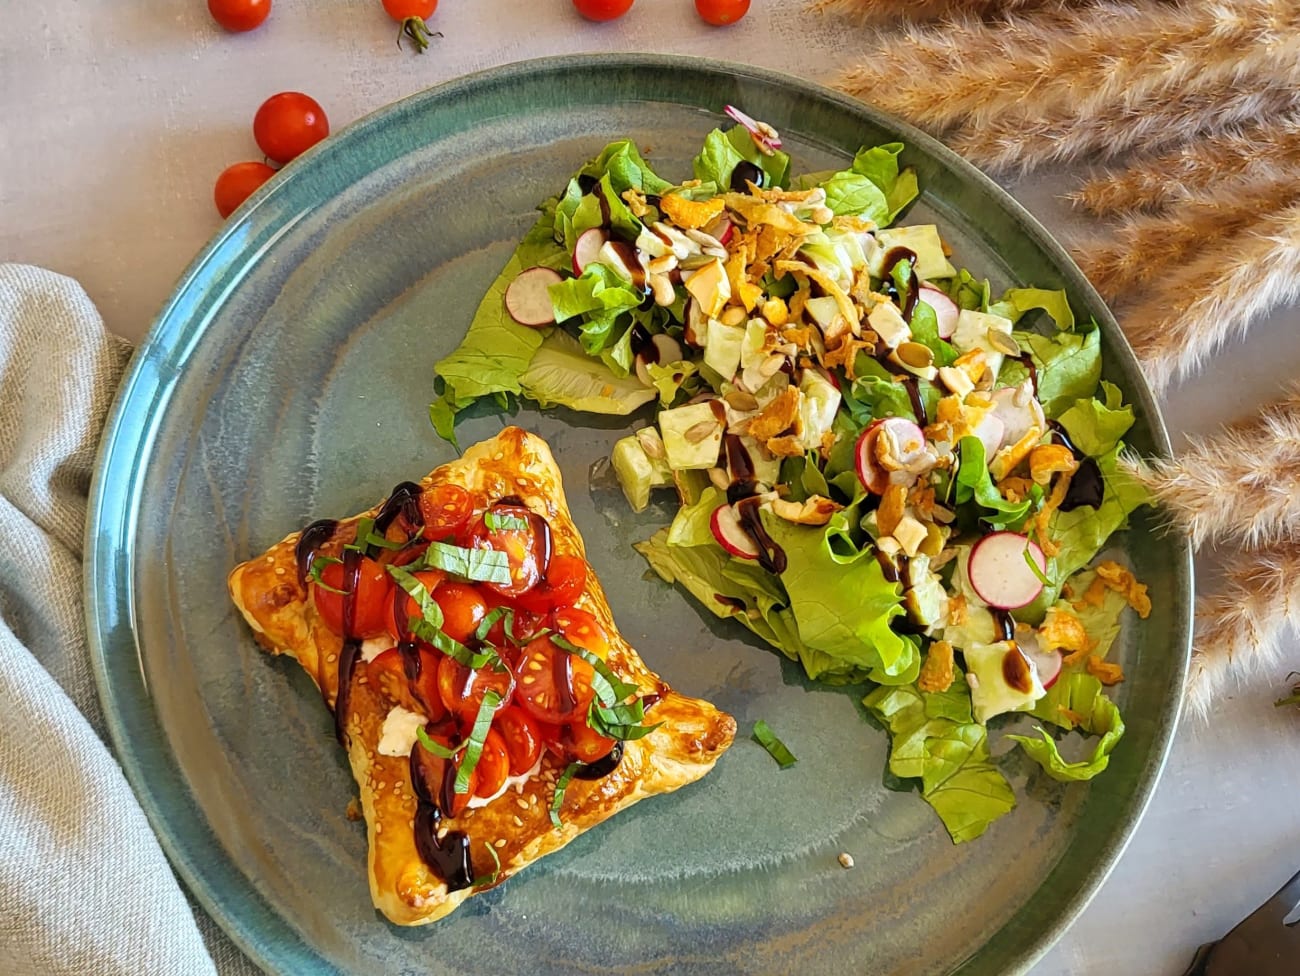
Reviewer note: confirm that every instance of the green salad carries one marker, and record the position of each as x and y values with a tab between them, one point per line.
886	471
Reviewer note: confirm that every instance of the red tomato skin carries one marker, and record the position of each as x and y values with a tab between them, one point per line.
720	13
400	10
584	744
541	664
582	628
463	609
493	765
522	735
288	124
461	690
600	10
238	16
237	183
373	600
528	549
446	508
566	578
432	769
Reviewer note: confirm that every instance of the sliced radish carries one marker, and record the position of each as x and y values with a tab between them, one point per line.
587	247
720	230
1048	664
908	447
663	349
528	297
1018	410
945	310
765	137
730	534
990	431
999	573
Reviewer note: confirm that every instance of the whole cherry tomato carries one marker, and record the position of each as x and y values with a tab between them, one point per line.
493	765
522	735
237	183
603	9
722	12
463	609
412	14
462	690
582	743
445	509
288	124
239	15
372	603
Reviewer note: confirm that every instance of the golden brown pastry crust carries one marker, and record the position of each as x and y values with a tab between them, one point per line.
517	824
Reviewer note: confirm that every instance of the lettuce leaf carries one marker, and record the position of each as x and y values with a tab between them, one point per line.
622	163
560	373
1068	363
599	296
879	164
1082	532
1081	694
1095	426
975	482
935	740
497	349
1015	302
840	598
723	151
850	193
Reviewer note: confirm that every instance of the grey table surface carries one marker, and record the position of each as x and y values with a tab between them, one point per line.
116	118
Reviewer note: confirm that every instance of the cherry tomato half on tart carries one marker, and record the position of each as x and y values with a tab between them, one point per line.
371	605
238	16
522	735
288	124
445	509
390	672
553	685
523	536
566	577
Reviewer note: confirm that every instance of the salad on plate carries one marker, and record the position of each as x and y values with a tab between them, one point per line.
884	470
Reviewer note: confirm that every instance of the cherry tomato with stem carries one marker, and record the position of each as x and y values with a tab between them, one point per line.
288	124
445	508
237	183
462	690
602	9
372	605
720	13
523	737
238	16
412	16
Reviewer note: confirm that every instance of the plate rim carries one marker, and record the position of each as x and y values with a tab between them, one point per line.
172	328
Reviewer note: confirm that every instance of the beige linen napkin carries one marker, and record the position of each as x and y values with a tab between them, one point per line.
84	886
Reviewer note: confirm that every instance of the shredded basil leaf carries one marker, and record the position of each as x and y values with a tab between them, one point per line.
479	565
318	564
561	785
483	879
500	522
428	626
621	722
497	613
766	738
435	747
474	744
609	687
367	536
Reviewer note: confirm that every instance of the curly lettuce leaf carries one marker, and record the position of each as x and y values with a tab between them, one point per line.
1081	695
560	373
724	151
840	598
1068	364
934	739
599	297
622	163
879	164
497	349
975	482
1015	302
1095	426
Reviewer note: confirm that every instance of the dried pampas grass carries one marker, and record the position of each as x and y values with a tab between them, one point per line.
878	11
1143	247
1262	152
1242	484
1193	309
1239	628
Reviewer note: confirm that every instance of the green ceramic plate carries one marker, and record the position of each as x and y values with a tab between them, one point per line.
288	379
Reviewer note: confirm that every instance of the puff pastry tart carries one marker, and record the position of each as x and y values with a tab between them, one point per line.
490	709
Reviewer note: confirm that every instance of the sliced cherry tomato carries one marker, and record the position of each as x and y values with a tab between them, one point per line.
554	685
493	765
373	606
524	624
239	15
522	735
526	548
288	124
463	609
719	13
390	673
405	607
237	183
581	628
462	690
603	9
446	508
566	577
584	744
432	769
